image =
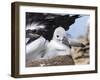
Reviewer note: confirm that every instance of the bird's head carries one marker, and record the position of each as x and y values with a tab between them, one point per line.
34	31
59	34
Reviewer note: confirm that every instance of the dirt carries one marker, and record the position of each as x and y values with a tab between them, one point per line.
59	60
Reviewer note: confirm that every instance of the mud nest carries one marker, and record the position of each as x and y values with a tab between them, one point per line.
59	60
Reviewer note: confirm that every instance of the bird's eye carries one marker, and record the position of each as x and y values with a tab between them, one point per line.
34	31
28	31
57	36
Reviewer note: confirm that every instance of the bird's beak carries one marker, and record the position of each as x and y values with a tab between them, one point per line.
31	37
66	42
36	36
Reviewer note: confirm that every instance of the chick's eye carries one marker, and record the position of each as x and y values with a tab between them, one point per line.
57	36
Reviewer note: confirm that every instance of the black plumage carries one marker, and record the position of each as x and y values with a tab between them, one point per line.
50	21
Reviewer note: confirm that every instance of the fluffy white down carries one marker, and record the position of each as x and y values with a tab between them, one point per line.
56	47
36	49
